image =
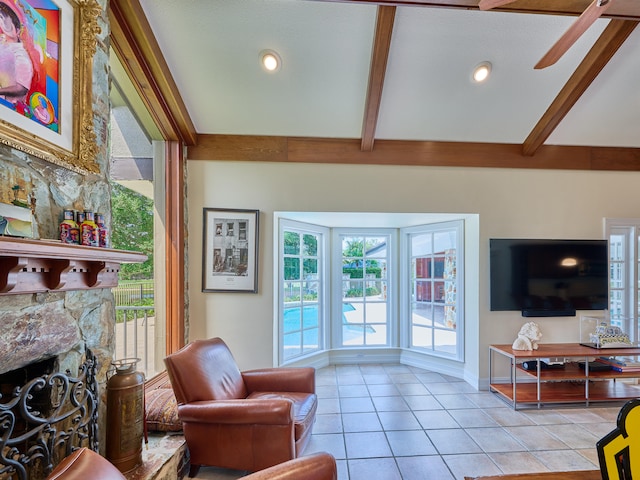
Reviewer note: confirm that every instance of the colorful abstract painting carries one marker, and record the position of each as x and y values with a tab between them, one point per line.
29	60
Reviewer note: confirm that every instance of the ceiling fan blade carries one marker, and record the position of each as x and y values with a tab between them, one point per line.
577	28
489	4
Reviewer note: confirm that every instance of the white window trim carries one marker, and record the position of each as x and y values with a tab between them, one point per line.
405	286
630	227
336	285
323	266
330	222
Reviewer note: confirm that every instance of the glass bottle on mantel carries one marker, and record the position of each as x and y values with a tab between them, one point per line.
79	220
69	228
103	232
89	230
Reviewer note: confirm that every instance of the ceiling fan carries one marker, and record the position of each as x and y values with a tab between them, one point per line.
564	43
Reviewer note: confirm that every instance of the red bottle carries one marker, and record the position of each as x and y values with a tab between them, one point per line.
103	232
69	228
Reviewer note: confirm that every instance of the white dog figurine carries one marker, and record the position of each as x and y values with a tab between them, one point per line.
528	337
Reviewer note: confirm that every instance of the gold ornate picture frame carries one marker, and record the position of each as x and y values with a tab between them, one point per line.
72	143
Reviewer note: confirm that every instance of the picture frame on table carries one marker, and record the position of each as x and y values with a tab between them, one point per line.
46	77
230	250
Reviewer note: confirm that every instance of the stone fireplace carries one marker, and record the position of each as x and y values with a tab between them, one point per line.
46	335
56	345
44	415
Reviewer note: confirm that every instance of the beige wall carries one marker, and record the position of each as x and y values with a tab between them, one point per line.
509	202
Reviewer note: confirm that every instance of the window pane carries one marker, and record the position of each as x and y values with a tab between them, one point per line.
421	245
438	292
450	261
292	291
376	334
450	320
376	247
617	275
310	316
616	304
352	313
445	341
310	266
421	337
292	319
376	269
352	247
374	289
422	314
444	241
292	345
616	247
382	269
375	313
438	267
311	291
291	243
310	245
423	291
352	335
438	315
310	340
354	289
353	327
291	268
423	267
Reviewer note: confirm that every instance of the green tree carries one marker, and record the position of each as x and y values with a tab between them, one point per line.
292	246
354	248
132	229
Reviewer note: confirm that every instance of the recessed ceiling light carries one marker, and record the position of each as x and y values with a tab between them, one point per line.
270	61
481	72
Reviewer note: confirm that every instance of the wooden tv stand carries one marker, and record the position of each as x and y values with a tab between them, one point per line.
570	384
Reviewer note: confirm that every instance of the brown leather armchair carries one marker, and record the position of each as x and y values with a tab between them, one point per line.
318	466
247	420
83	464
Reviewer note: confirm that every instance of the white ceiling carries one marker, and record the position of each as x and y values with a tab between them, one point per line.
212	49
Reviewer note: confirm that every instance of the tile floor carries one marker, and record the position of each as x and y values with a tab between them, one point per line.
398	422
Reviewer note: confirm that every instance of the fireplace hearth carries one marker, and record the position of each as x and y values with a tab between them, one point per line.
44	416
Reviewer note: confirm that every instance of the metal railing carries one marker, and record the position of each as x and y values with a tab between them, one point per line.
134	336
127	294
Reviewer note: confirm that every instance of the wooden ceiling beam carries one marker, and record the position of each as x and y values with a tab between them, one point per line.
612	38
249	148
379	56
621	9
133	41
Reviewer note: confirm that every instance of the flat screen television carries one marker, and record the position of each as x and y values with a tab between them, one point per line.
545	278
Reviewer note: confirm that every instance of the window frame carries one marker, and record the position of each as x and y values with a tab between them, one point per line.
630	229
405	286
323	269
398	277
336	285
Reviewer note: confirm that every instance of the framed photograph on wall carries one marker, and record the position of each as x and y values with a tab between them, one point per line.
46	61
230	250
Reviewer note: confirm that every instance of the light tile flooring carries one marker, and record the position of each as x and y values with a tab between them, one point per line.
398	422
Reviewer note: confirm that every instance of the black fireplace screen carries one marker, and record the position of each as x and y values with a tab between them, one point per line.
45	419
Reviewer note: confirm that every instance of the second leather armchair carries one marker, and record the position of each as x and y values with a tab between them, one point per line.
247	420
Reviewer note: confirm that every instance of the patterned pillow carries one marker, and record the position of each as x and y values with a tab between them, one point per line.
161	410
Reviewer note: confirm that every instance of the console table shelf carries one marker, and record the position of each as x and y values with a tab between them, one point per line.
570	384
33	266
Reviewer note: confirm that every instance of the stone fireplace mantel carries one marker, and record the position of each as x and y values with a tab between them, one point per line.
34	266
